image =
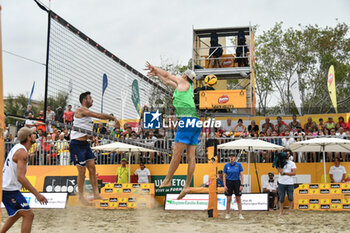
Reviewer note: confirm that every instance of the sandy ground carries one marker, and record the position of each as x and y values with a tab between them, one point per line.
85	220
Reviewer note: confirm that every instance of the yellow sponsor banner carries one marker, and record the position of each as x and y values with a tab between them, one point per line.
132	205
303	201
145	186
346	201
345	185
335	191
325	201
314	191
336	206
331	87
32	180
304	186
325	186
314	206
127	186
222	99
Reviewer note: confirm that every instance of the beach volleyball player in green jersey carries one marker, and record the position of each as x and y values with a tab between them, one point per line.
188	130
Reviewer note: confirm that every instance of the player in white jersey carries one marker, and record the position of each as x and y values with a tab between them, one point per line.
14	177
80	150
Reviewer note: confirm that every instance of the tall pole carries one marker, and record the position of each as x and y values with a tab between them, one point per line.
47	62
2	119
324	164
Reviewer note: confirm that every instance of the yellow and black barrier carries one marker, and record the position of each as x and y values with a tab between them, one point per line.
333	197
126	196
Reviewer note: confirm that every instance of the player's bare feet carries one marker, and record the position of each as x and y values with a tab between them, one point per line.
97	197
165	183
84	202
183	193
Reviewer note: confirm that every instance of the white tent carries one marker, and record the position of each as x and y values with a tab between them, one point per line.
249	145
322	144
123	147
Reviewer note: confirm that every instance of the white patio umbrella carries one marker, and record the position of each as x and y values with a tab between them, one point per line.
123	147
322	144
249	145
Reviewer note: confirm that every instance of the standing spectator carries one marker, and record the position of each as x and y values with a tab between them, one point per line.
122	173
50	116
253	127
228	129
320	125
330	124
341	123
267	125
220	179
233	183
28	110
128	131
240	129
68	116
41	118
286	182
116	131
59	115
287	140
294	124
143	175
150	140
280	126
337	172
271	187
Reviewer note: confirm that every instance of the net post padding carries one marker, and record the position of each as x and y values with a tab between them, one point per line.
2	116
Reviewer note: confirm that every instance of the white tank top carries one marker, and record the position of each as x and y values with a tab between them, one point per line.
83	123
9	177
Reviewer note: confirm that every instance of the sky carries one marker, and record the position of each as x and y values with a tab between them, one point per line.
139	31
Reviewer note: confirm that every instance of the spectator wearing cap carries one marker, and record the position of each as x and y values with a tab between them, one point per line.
341	123
122	173
233	183
337	172
294	124
270	187
220	179
143	175
330	124
59	114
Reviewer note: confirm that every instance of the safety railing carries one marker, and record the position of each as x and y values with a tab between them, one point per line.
57	152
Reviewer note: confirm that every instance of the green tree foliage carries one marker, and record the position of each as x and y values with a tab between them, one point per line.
309	51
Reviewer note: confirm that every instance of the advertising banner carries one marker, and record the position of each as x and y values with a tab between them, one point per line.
250	201
222	99
55	201
177	182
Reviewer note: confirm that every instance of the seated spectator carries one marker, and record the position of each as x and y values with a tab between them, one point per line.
220	179
30	123
348	124
253	127
42	125
143	175
66	134
270	187
299	132
320	125
240	129
341	123
280	126
287	140
275	139
128	131
101	129
337	172
294	124
330	124
110	124
267	125
341	133
228	129
308	124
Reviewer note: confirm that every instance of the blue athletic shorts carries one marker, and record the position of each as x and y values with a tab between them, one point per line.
284	189
14	201
80	152
189	132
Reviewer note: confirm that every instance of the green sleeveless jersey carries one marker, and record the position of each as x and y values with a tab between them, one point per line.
184	103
